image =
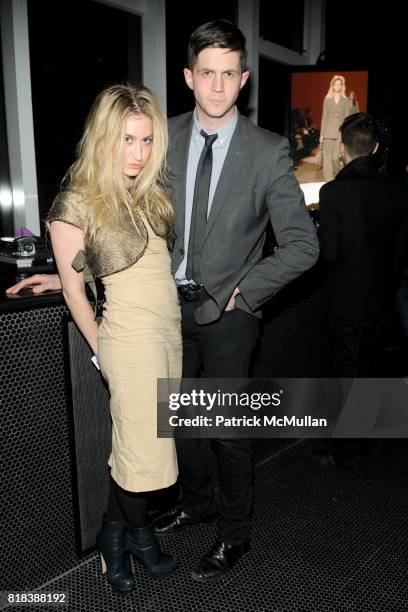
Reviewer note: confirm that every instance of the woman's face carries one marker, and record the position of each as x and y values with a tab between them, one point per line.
138	144
337	86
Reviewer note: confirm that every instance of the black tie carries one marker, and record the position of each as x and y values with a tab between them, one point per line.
200	208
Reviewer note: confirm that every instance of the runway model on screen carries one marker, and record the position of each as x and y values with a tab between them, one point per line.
228	180
336	107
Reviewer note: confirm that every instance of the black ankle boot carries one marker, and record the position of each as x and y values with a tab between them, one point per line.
114	557
142	543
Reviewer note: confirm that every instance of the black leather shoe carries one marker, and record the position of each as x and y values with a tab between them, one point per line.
178	519
221	558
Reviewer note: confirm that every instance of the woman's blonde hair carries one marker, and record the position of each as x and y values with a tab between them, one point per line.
97	174
337	77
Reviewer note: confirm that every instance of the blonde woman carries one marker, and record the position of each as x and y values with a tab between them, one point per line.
336	107
117	216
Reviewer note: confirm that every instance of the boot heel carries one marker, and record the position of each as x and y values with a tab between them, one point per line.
143	545
103	564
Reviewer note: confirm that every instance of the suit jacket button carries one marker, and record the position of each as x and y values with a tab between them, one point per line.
182	252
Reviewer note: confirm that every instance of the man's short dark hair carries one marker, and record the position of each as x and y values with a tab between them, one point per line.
359	134
222	34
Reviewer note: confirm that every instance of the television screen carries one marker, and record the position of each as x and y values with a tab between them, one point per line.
319	103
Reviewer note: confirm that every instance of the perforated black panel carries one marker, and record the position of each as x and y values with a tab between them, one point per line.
36	518
92	428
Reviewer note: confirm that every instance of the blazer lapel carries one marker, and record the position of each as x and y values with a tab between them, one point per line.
230	172
177	159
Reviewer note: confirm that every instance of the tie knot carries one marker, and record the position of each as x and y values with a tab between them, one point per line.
209	138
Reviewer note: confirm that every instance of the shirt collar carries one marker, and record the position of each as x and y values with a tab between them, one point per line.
224	133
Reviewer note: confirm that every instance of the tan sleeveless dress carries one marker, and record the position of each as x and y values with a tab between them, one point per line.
139	341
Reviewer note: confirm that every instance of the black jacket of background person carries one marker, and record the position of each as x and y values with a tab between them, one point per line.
363	234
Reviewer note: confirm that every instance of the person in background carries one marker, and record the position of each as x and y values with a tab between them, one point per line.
363	238
114	217
303	137
353	103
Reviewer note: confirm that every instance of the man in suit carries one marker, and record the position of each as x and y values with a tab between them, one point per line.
228	179
221	275
361	216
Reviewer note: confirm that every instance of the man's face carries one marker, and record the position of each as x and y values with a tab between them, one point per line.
216	79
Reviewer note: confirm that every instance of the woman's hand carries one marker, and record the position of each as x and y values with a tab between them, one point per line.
38	283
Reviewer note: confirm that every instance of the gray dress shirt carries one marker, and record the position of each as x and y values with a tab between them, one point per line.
220	150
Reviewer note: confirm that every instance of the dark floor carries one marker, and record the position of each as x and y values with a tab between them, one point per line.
323	539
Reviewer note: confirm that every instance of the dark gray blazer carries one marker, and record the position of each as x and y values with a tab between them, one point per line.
256	184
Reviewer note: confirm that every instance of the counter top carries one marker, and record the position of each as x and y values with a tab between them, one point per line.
26	299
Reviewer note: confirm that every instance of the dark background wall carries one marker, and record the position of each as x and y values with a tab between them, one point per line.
373	37
274	95
76	49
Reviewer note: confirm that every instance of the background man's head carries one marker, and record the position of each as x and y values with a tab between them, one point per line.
359	135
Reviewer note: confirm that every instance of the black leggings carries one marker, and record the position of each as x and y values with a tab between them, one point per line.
126	506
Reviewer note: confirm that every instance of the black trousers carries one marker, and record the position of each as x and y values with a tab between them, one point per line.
354	346
221	350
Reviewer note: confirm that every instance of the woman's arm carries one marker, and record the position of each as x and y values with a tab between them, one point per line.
66	241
